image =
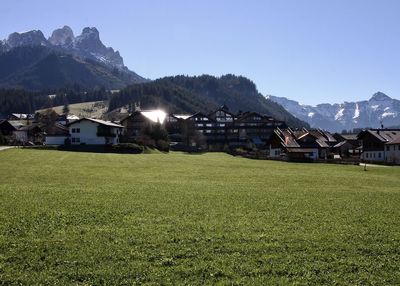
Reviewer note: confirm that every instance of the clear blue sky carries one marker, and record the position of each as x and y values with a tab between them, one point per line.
312	51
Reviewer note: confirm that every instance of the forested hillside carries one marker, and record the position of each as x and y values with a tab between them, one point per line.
203	93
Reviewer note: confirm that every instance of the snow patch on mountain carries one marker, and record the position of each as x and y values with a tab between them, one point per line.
347	115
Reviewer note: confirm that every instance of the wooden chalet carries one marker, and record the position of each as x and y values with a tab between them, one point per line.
134	123
377	143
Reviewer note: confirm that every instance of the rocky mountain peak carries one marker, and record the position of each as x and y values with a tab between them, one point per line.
30	38
62	37
380	96
85	46
89	43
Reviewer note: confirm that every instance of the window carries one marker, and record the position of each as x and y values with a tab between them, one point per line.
399	147
379	154
73	131
366	155
77	140
387	148
78	130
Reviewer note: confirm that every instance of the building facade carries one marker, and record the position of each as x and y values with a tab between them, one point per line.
94	132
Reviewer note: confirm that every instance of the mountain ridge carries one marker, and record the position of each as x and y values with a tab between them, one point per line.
85	49
379	110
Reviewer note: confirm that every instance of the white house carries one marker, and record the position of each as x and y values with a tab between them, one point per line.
393	151
94	132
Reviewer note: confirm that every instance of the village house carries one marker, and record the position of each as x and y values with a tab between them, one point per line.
134	123
348	145
301	145
6	132
6	128
378	144
393	151
94	132
30	134
56	135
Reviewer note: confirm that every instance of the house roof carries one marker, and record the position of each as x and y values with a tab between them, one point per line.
181	116
349	136
29	127
57	130
6	125
200	114
102	122
394	141
300	150
22	115
157	115
383	135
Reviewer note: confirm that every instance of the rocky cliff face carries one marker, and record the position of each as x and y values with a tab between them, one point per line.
87	45
63	37
31	38
379	109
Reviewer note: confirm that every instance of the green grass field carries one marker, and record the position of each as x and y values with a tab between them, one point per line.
84	218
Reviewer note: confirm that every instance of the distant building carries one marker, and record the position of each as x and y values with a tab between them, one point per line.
301	145
21	116
378	145
6	128
348	145
134	123
393	151
94	132
56	135
30	134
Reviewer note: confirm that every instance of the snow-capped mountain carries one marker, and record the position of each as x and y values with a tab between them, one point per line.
87	45
379	109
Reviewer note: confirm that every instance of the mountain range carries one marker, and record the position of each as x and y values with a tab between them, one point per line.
379	110
29	60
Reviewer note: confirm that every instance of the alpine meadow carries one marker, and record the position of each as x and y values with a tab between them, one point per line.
72	218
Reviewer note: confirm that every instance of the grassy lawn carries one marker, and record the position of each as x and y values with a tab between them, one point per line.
84	218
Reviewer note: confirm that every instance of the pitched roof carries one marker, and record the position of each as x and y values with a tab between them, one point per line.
57	130
349	136
394	141
6	125
383	135
102	122
200	114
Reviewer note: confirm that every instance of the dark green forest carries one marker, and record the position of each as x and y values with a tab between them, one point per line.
202	93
